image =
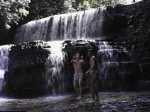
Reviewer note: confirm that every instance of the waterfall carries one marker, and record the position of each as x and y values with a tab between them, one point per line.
82	25
71	27
112	55
55	29
78	25
4	53
55	66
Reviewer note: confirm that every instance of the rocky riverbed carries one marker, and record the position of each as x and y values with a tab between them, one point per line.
108	102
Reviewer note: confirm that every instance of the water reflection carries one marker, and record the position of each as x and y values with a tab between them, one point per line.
10	104
109	102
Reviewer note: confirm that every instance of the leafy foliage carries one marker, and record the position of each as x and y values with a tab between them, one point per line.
12	11
44	8
84	4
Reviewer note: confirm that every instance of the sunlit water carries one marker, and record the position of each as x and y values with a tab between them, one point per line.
128	2
77	25
4	52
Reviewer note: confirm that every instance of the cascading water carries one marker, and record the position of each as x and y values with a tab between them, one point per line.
4	52
79	25
55	64
83	25
109	55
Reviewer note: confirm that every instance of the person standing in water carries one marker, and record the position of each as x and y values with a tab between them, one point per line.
93	78
77	62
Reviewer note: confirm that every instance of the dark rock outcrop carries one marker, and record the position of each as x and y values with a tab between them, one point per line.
26	76
130	23
115	21
127	22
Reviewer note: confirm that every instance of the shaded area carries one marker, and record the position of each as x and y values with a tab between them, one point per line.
26	70
127	22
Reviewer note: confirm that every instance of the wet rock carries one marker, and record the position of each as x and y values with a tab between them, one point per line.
115	22
130	22
26	76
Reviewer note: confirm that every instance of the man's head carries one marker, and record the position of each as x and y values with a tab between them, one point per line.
77	55
82	57
93	58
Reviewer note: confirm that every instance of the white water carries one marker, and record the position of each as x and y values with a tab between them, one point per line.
55	65
4	53
56	54
55	29
78	25
128	2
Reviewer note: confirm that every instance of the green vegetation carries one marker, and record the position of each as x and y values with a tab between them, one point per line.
84	4
12	11
44	8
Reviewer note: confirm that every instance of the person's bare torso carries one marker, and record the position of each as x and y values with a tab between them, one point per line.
77	65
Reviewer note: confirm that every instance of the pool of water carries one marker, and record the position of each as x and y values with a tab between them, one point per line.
108	102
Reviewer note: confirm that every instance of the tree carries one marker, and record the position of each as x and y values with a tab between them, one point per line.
94	3
11	13
44	8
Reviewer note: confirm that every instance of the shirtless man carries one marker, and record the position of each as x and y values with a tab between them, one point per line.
77	62
93	78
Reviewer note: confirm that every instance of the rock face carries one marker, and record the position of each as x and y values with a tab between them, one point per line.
127	22
26	76
131	24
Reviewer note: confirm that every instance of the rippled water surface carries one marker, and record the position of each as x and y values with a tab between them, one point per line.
108	102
